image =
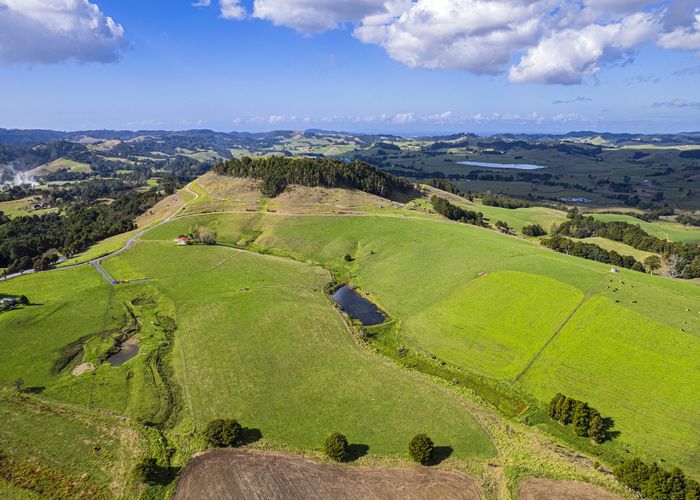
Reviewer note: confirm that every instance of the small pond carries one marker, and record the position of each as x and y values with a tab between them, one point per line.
128	350
358	307
514	166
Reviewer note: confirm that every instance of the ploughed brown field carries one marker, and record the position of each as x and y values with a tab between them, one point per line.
546	489
228	474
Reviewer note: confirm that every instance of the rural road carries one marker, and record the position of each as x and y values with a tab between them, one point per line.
97	263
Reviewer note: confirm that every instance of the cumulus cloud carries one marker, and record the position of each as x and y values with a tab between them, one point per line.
542	41
568	56
684	37
50	31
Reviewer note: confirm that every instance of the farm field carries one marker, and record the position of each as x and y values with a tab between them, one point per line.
248	350
245	330
282	476
439	287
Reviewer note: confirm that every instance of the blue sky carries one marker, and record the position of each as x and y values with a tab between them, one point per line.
171	65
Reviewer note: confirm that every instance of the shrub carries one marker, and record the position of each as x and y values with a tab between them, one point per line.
534	230
146	471
420	449
336	447
222	433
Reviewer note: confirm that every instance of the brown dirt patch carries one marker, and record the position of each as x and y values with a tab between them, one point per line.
82	368
228	474
297	198
546	489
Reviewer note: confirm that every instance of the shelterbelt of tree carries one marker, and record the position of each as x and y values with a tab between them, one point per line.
686	255
277	172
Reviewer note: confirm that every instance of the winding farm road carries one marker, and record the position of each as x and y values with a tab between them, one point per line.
97	263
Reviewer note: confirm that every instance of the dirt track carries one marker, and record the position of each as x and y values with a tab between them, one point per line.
545	489
229	474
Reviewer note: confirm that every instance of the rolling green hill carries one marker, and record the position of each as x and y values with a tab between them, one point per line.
245	329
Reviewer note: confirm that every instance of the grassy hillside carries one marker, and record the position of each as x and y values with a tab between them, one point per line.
247	348
245	330
427	275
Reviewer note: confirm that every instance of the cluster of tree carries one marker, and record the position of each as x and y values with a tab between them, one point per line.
453	212
687	220
591	251
25	240
584	419
11	193
504	227
685	256
277	172
498	200
443	184
201	235
534	230
223	433
653	482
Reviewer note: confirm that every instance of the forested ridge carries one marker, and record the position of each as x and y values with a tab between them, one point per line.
684	257
35	241
277	172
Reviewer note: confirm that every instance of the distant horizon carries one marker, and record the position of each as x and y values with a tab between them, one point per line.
350	132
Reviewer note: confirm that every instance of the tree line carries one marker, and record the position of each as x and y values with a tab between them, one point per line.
277	172
685	257
654	482
453	212
585	420
26	242
591	251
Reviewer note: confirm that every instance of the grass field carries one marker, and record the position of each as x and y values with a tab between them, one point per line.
60	164
663	230
248	333
247	349
426	275
57	448
24	206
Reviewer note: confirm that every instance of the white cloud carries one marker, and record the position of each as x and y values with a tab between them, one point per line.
474	35
568	56
231	9
683	37
50	31
202	3
543	41
313	16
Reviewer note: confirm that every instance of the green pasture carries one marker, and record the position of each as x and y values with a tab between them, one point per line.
495	324
639	372
427	275
257	340
74	445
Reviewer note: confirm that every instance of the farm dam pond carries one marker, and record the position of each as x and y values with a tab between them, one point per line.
127	350
357	307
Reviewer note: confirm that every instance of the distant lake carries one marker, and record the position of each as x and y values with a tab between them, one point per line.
515	166
358	307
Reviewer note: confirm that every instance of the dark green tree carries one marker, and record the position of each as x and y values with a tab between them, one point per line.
223	433
420	449
597	430
336	447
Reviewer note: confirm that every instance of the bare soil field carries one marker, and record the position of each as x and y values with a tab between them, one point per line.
546	489
228	474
